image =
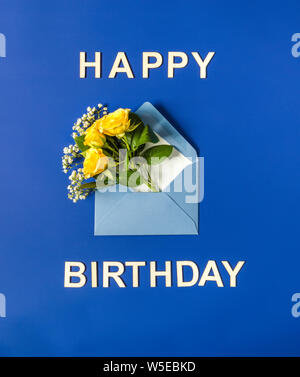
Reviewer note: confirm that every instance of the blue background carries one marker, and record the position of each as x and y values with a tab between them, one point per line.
244	119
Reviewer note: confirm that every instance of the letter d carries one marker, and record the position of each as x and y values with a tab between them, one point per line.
180	281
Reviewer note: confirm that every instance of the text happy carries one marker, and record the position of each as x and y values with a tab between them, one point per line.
150	60
179	273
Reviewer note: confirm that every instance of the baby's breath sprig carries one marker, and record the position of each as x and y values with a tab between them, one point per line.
75	191
88	119
70	154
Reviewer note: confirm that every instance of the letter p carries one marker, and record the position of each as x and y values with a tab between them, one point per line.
171	62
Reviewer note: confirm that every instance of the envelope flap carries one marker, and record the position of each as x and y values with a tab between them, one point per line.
187	198
150	115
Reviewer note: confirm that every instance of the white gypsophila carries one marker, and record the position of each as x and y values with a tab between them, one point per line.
87	120
75	192
70	154
84	122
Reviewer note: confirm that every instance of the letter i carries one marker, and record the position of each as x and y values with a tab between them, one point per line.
94	274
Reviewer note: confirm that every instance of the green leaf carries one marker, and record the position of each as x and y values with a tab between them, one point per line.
107	152
79	141
124	160
135	121
106	178
142	135
131	179
104	182
109	174
123	167
129	136
139	150
88	185
157	154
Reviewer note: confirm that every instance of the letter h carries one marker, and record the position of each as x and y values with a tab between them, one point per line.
84	65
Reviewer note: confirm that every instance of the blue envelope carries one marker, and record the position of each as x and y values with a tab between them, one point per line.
149	213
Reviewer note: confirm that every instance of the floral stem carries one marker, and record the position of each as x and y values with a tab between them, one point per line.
150	184
124	138
114	153
113	143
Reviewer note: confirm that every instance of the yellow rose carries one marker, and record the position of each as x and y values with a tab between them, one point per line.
93	137
94	163
114	124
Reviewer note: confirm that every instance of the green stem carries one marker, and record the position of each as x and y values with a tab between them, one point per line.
150	184
115	154
124	138
113	143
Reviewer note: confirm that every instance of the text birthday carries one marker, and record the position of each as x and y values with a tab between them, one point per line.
125	274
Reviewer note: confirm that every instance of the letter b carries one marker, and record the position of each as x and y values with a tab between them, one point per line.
78	274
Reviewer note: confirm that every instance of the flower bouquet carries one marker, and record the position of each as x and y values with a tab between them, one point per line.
111	148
